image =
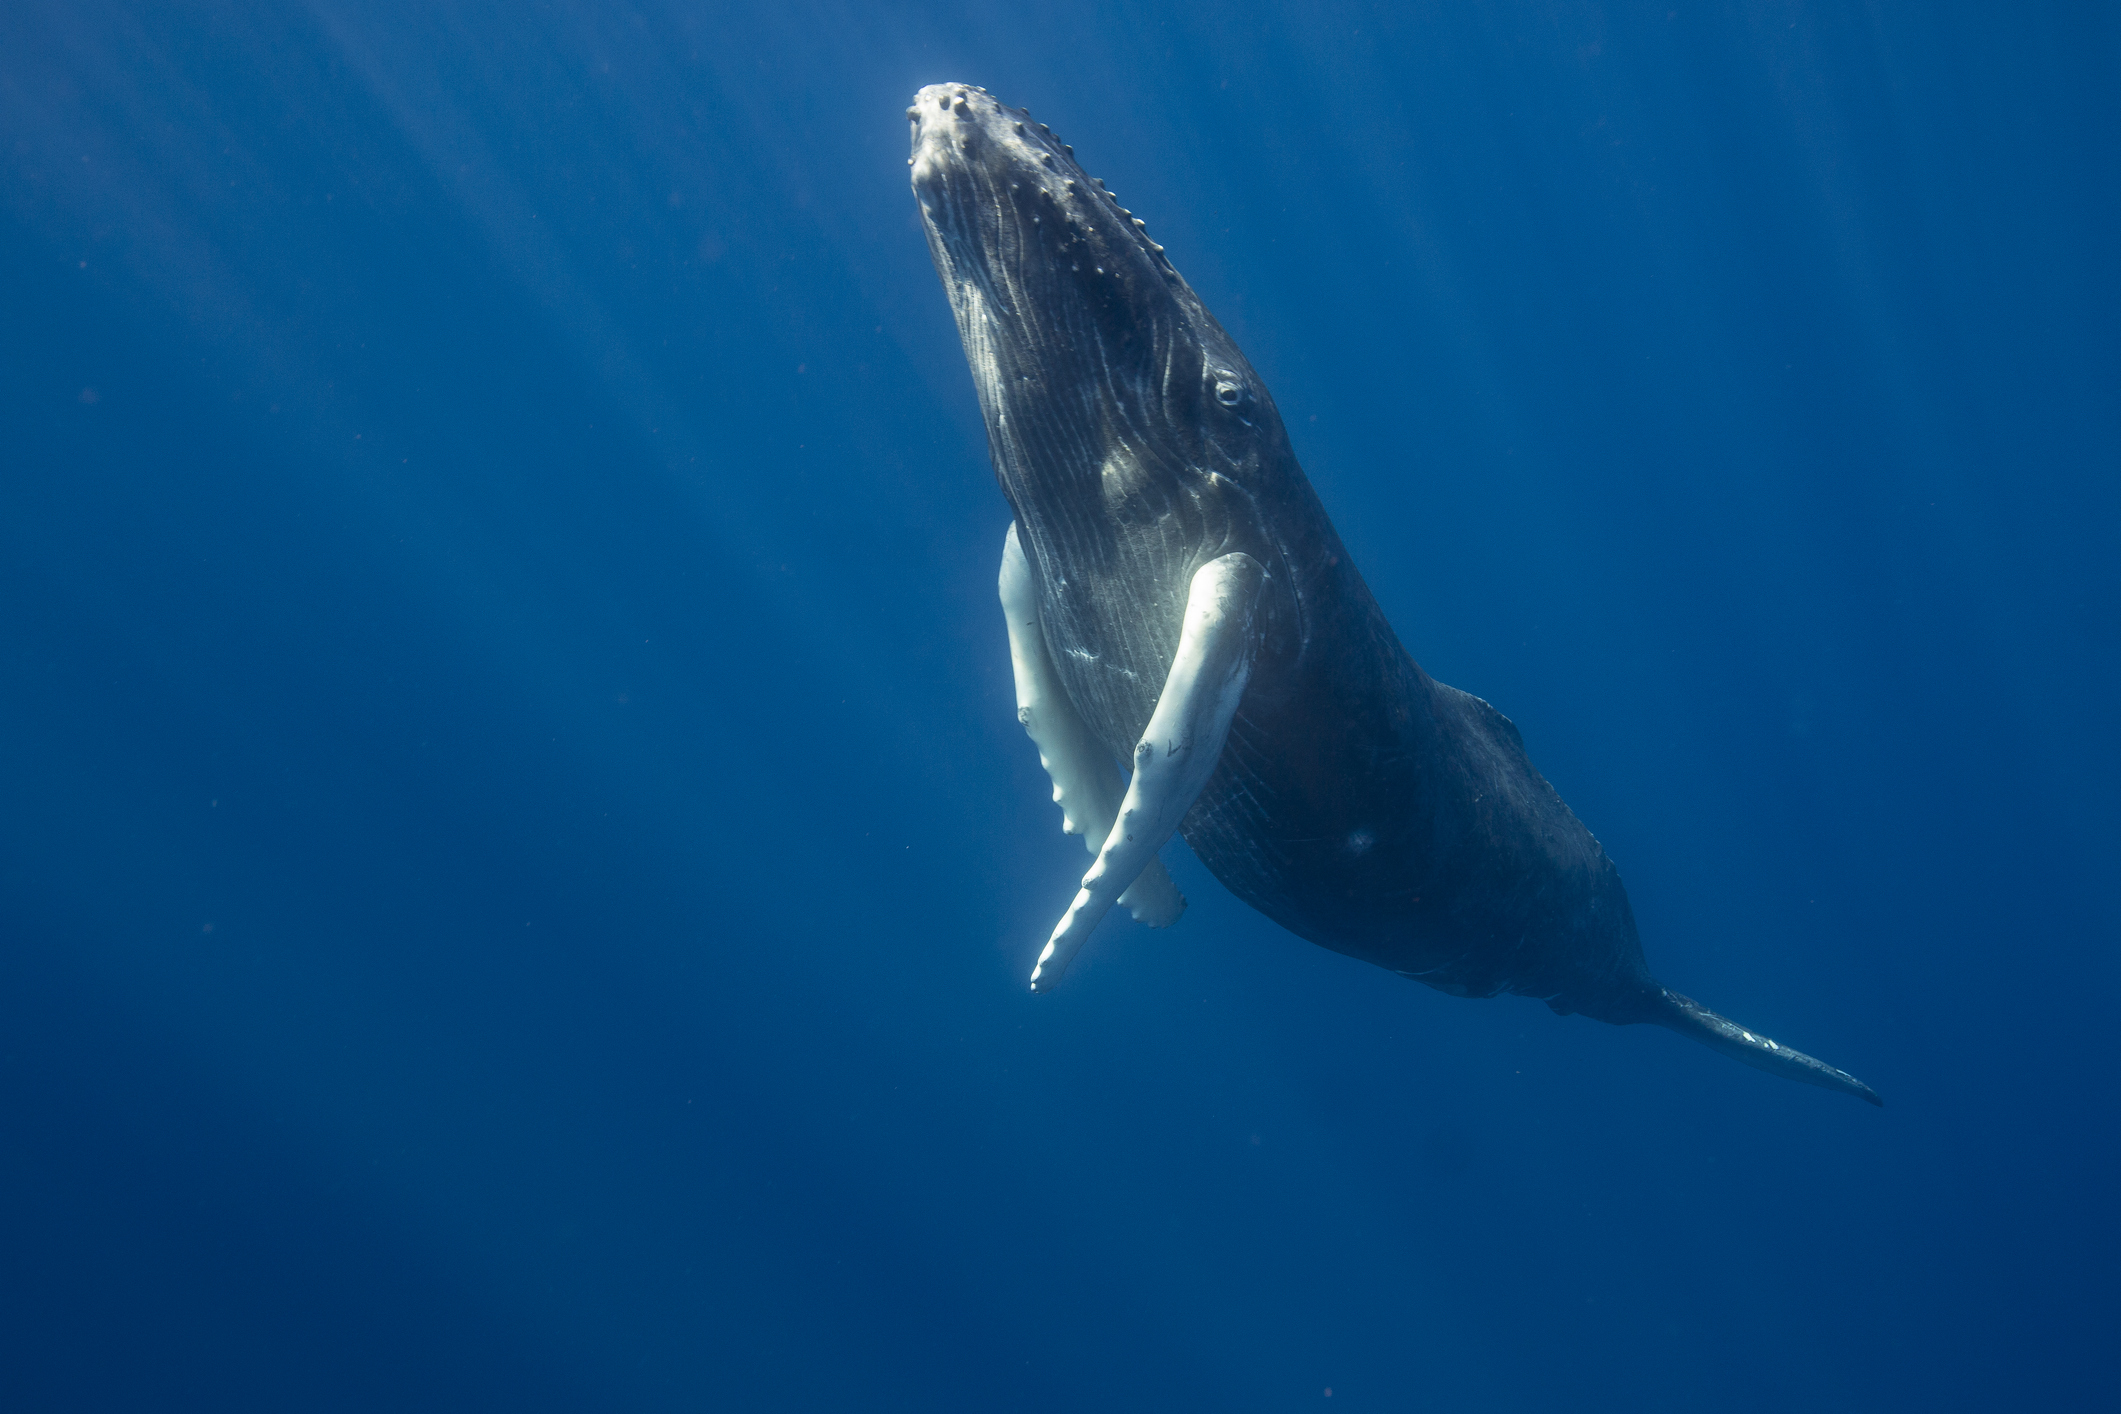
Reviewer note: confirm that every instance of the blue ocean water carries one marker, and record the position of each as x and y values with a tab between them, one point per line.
518	865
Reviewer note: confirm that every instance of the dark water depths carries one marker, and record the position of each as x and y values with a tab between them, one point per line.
517	864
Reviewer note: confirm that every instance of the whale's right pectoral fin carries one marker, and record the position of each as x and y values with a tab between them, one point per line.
1178	751
1086	785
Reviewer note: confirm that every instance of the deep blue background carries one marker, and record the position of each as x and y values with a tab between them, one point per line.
517	865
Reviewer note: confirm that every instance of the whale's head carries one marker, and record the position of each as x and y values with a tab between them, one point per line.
1093	357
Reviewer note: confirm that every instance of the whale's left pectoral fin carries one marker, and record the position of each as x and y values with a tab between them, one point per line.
1178	751
1086	785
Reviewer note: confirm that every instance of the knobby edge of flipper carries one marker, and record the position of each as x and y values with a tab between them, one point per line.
1690	1018
1178	748
1086	783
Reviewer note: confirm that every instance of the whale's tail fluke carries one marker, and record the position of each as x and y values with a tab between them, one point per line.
1690	1018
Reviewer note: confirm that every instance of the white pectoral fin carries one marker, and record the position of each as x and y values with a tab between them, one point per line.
1179	749
1086	785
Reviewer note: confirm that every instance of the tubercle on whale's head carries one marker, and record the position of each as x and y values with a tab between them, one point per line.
1071	316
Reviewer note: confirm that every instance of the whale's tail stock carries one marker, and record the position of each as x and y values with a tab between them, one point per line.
1690	1018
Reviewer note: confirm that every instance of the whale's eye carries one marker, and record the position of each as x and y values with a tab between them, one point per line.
1229	394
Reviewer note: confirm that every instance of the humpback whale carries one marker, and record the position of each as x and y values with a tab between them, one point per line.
1176	598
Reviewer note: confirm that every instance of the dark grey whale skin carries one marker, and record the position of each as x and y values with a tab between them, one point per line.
1359	803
